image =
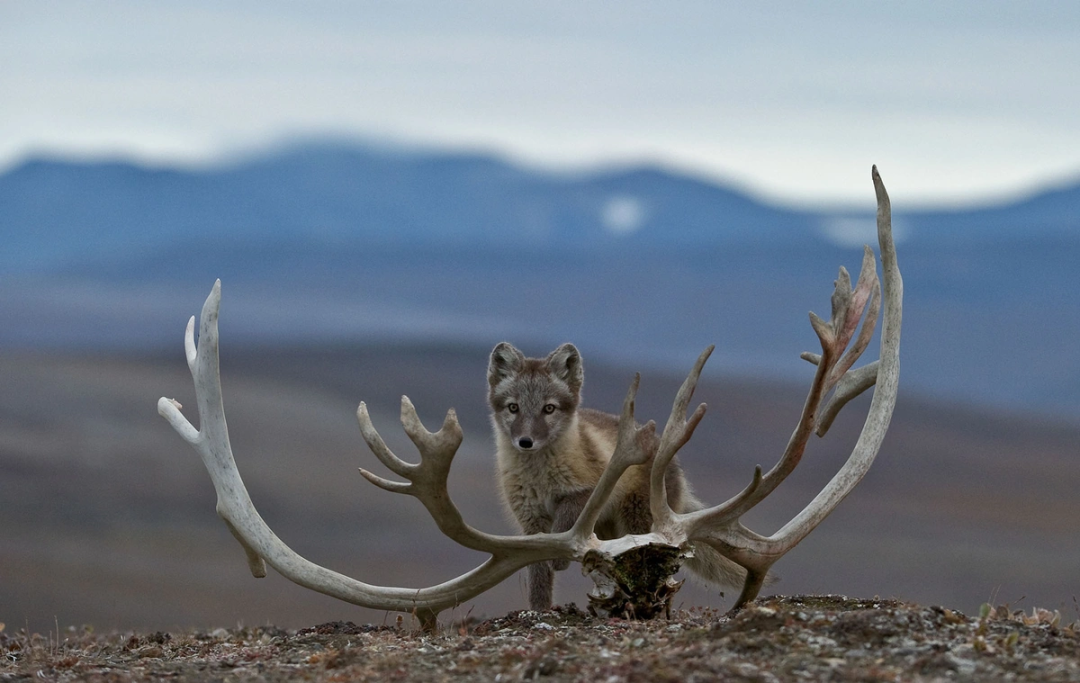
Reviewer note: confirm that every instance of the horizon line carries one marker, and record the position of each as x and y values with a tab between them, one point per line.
224	156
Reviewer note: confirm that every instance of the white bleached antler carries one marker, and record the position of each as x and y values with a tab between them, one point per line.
720	526
426	482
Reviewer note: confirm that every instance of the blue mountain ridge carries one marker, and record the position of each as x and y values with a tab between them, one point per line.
55	212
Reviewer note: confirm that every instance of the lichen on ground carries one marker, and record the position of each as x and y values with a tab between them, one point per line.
817	638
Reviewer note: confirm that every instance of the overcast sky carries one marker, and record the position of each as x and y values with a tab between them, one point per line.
955	101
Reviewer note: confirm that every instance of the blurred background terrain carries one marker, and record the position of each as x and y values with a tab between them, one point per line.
387	193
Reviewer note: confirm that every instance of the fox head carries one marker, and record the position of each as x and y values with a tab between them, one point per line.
533	400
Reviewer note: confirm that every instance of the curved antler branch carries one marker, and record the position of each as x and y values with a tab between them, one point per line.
883	402
848	306
719	526
634	446
263	547
868	290
677	432
851	385
426	481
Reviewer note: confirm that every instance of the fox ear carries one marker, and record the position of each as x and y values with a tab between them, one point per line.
565	363
505	361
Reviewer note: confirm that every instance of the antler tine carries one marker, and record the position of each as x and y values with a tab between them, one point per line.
867	290
375	442
190	349
431	444
884	218
720	510
437	450
742	502
852	302
824	332
631	447
851	385
634	446
677	432
428	479
169	409
387	484
848	383
679	428
841	298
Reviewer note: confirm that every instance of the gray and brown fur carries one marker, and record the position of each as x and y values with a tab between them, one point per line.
550	453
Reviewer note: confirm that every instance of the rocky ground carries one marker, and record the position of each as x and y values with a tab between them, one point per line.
829	638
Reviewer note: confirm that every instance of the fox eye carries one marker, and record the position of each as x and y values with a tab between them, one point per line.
549	408
512	407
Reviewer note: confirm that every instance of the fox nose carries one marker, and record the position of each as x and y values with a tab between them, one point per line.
525	443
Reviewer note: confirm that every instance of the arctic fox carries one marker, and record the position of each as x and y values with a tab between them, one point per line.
550	453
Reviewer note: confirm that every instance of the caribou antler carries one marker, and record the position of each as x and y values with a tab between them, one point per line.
426	482
718	527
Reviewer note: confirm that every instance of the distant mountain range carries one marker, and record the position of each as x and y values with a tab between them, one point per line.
56	213
60	212
322	243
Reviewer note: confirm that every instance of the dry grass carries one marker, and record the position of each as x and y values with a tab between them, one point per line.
779	639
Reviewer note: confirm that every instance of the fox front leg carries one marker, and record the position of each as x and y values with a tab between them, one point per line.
541	586
541	576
